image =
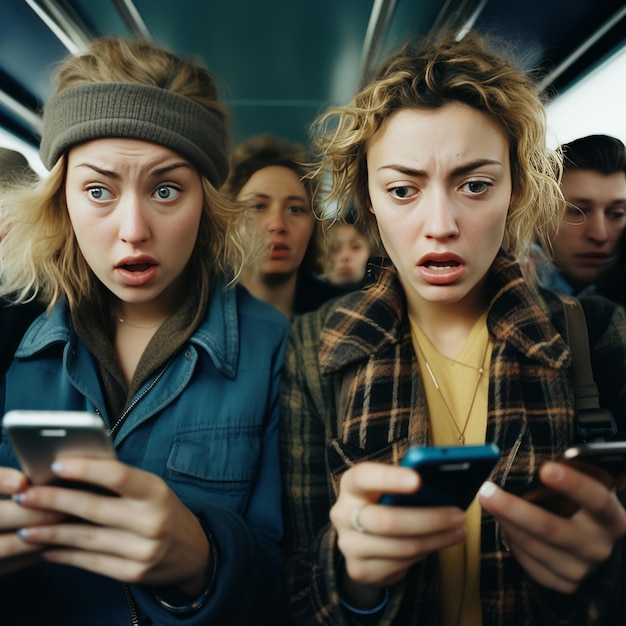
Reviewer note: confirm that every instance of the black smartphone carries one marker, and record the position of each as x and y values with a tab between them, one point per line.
451	475
604	461
41	437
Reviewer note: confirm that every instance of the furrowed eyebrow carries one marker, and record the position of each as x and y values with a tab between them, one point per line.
457	171
470	167
100	170
155	173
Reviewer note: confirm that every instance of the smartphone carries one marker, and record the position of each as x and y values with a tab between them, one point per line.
604	461
41	437
451	476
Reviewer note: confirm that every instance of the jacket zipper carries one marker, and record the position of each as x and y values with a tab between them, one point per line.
132	608
136	401
134	619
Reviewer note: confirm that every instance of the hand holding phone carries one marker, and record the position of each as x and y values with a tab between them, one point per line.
41	437
603	461
451	476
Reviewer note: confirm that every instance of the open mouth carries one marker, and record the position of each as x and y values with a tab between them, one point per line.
278	251
137	274
136	267
445	270
441	266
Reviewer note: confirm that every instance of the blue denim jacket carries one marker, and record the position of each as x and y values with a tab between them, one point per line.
207	424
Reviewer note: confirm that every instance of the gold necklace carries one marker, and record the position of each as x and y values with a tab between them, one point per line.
123	321
480	370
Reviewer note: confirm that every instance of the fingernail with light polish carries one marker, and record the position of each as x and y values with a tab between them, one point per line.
487	489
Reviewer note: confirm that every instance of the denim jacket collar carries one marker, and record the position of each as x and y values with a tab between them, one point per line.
217	334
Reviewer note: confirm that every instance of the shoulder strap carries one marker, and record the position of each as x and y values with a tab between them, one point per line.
592	421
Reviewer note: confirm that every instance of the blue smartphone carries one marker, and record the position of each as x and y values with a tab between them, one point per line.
451	475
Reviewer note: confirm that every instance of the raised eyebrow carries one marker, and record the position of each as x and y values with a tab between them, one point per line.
168	168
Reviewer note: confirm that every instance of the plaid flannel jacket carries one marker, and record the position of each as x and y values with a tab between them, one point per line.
530	417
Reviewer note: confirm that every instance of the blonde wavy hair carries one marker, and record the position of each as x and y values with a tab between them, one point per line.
429	76
39	255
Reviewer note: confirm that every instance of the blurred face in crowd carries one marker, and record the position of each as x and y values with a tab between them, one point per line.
347	254
280	209
440	187
594	222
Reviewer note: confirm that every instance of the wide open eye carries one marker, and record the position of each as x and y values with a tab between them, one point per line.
166	192
99	194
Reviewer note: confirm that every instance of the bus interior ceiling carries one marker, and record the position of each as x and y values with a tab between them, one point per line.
280	63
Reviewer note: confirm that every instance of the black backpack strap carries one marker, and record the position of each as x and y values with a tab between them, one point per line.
592	421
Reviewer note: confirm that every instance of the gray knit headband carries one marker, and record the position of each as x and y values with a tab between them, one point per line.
85	112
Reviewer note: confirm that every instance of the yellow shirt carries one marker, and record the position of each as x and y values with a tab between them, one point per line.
459	566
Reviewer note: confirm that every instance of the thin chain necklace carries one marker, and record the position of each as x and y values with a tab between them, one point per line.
123	321
480	370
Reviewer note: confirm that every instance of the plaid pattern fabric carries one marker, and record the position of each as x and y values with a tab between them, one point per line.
530	417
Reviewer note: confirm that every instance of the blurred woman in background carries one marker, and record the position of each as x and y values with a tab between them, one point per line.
267	176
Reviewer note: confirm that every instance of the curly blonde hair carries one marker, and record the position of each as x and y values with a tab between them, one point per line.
39	255
429	76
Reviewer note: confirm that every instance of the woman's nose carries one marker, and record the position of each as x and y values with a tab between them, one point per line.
134	227
276	222
440	219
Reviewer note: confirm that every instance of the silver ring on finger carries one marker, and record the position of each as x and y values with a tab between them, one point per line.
355	519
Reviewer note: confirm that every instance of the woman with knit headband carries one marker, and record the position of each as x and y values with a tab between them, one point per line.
132	249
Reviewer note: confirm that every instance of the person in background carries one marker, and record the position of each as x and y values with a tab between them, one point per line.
132	248
444	153
611	281
346	253
589	236
267	176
